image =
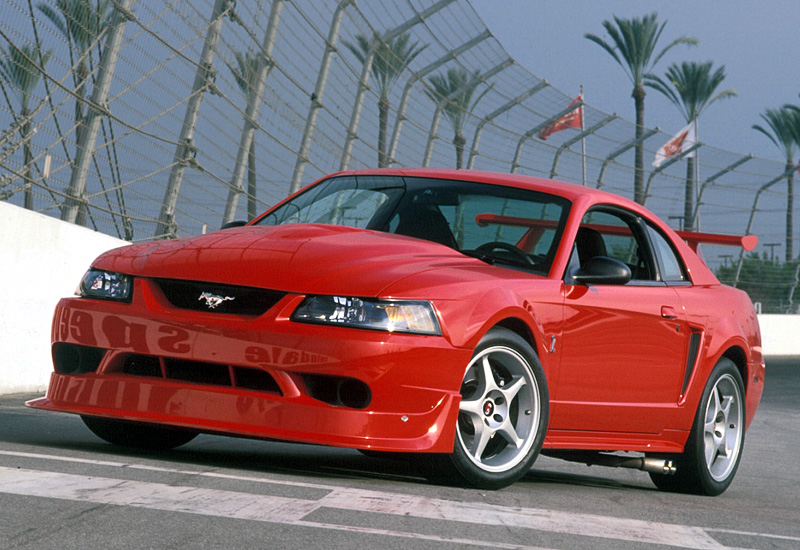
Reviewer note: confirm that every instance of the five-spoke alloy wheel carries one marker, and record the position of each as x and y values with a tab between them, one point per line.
715	444
503	413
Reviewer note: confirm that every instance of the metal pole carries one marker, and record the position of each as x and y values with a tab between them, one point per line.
614	154
364	80
711	180
265	63
666	164
535	130
105	73
753	215
570	142
497	112
316	97
471	83
184	153
401	109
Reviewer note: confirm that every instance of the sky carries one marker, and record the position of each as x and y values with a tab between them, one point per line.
758	42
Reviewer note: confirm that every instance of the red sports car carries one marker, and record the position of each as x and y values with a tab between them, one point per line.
479	318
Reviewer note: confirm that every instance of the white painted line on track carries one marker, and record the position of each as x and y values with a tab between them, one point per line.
292	511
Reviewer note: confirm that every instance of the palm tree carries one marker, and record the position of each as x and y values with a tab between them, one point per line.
245	74
633	45
19	69
691	87
81	22
781	129
459	86
389	62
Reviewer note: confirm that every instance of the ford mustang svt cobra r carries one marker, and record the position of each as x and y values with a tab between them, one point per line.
477	318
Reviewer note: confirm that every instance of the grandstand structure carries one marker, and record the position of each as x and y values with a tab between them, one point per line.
167	118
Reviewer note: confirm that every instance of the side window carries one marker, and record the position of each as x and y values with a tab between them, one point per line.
672	270
612	234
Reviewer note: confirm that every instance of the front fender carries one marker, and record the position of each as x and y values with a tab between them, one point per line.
539	311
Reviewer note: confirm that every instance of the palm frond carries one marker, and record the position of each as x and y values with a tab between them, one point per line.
19	68
81	21
780	129
390	58
691	86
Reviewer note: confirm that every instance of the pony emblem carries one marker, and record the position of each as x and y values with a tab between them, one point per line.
213	300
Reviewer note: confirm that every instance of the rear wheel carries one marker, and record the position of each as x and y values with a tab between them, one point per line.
714	448
139	435
503	413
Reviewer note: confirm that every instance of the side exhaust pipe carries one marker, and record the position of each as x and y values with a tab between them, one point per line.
645	464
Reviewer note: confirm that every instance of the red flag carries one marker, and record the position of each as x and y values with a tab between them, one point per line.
573	119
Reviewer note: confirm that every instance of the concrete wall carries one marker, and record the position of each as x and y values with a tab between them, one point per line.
780	334
42	260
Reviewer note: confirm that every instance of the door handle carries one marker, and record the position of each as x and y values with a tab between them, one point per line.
668	312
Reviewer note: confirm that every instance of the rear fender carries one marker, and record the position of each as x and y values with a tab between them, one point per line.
729	339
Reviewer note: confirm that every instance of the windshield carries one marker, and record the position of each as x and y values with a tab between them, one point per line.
498	224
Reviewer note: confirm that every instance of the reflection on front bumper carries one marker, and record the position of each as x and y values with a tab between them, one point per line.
264	377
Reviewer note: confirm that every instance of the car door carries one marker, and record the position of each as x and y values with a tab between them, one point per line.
623	348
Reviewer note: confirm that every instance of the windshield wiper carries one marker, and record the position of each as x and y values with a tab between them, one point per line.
480	256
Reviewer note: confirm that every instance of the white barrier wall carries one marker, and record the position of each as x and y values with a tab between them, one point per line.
43	259
780	334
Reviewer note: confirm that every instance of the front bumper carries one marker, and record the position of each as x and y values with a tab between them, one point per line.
265	376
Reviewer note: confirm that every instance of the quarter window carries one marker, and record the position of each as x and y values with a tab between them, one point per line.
671	268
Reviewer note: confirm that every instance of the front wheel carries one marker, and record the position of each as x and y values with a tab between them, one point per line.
140	435
503	413
714	448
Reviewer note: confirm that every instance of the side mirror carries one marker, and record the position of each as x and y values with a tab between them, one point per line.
238	223
601	270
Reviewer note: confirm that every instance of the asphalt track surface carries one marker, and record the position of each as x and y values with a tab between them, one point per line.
62	488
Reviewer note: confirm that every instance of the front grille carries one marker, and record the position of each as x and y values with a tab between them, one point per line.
217	298
200	372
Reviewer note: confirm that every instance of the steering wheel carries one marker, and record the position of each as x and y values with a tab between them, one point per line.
516	252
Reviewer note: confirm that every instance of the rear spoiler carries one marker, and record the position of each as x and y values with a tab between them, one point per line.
693	239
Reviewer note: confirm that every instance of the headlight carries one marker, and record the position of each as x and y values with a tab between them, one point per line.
106	285
414	316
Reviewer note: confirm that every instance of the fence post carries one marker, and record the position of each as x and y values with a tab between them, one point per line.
709	181
77	182
265	63
666	164
476	139
567	144
316	97
763	188
416	77
365	70
515	164
184	152
445	100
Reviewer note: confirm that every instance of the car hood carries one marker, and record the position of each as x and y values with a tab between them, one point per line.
297	258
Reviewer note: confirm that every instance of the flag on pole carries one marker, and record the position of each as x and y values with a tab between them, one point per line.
573	119
679	143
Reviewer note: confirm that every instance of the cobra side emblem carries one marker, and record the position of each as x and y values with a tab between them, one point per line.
213	300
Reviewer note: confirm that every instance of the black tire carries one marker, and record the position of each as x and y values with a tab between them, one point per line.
503	413
715	444
139	435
